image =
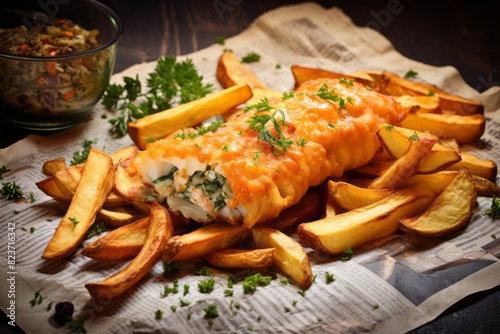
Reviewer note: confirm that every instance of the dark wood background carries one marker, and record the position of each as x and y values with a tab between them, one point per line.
463	34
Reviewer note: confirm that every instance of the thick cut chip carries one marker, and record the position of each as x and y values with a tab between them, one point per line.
426	104
290	257
463	128
95	184
302	74
160	125
116	217
205	240
357	227
449	212
233	258
396	141
50	188
50	167
350	197
159	231
122	243
405	166
477	166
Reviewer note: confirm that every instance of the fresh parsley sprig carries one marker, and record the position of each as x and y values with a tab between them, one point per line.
170	83
11	191
494	210
260	120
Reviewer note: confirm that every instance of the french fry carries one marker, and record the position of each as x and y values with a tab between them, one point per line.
231	72
392	84
449	212
463	128
350	197
484	168
290	257
160	125
116	217
405	166
485	187
95	184
357	227
50	188
302	74
424	104
159	231
121	155
120	244
204	240
50	167
233	258
396	140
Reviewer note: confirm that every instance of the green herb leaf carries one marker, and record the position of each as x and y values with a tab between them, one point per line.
250	57
206	285
37	299
348	254
3	170
411	74
170	290
81	156
158	314
220	40
74	221
414	137
494	210
251	283
329	278
11	191
97	228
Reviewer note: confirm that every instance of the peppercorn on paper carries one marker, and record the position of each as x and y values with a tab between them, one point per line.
394	284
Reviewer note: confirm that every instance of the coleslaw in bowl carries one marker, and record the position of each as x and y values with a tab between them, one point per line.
55	63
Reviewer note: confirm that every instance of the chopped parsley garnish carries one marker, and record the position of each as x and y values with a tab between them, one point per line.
347	82
170	290
171	268
302	292
375	306
287	95
76	325
32	197
184	303
11	191
250	57
202	271
494	236
81	156
258	124
329	278
173	308
431	93
186	289
37	299
368	88
220	40
158	314
256	157
211	313
251	283
348	254
411	74
171	81
278	66
3	170
49	306
97	228
494	210
330	95
330	125
201	130
389	127
74	221
287	309
32	230
228	293
414	137
206	285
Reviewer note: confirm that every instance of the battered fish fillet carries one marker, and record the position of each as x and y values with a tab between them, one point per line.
240	173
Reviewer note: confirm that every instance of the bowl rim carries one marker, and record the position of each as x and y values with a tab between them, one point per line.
113	16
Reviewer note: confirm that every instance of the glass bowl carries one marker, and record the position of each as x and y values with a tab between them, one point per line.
57	88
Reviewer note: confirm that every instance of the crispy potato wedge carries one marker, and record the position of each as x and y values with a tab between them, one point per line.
233	258
405	166
464	129
50	167
159	231
203	241
302	74
396	140
480	167
121	155
357	227
95	184
425	104
160	125
120	244
392	84
290	257
449	212
231	72
50	188
116	217
485	187
350	197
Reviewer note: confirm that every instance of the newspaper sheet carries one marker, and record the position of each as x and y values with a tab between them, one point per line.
391	285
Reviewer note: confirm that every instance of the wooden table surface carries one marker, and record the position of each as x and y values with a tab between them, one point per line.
463	34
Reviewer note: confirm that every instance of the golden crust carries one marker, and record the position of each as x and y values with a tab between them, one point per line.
265	183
